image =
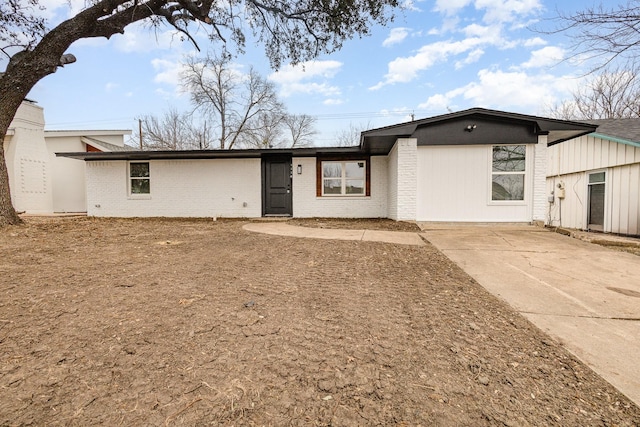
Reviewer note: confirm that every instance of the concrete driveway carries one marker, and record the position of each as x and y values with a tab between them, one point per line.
584	295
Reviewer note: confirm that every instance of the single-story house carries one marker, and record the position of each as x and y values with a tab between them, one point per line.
476	165
594	180
40	181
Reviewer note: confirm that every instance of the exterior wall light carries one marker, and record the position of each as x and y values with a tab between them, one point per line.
299	169
470	128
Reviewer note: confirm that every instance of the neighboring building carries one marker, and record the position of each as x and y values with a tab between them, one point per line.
594	180
39	181
476	165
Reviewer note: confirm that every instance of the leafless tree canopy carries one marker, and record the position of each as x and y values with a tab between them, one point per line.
237	105
301	129
350	136
609	94
604	33
296	30
174	131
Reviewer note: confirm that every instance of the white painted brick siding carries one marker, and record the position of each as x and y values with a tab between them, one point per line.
27	162
306	204
403	170
392	172
179	188
540	203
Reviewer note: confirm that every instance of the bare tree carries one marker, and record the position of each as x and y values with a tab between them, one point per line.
301	128
265	131
604	33
202	137
609	94
296	30
351	136
235	103
173	131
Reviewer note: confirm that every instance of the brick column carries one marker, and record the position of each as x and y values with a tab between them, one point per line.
407	181
540	203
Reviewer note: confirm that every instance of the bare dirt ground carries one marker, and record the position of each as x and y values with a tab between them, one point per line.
184	322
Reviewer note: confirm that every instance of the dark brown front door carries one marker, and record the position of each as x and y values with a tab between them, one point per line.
276	186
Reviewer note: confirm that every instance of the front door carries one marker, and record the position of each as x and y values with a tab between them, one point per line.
276	186
595	214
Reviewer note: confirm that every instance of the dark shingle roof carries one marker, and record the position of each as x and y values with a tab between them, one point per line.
628	129
105	145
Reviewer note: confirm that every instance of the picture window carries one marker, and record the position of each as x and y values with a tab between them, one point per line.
508	172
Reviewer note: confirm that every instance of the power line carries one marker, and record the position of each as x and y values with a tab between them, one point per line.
319	117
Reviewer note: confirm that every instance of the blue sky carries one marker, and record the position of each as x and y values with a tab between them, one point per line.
438	56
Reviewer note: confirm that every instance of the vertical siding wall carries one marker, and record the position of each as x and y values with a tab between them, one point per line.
571	162
454	184
179	188
306	204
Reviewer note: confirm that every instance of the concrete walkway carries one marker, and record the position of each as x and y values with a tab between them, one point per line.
281	229
584	295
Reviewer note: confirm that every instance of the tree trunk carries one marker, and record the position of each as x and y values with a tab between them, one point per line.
12	97
23	71
8	215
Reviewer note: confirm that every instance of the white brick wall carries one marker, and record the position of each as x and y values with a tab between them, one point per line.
306	204
407	178
27	161
392	172
179	188
540	203
403	170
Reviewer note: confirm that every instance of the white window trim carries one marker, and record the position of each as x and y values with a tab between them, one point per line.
527	168
137	196
607	202
343	179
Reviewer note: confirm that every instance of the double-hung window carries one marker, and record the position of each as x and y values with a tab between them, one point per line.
508	172
139	181
344	178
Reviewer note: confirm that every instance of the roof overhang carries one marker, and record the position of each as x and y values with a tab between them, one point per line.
382	140
210	154
88	133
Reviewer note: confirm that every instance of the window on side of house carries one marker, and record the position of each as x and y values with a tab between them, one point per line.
139	178
508	172
344	178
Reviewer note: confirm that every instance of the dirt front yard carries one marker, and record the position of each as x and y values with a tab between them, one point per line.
180	322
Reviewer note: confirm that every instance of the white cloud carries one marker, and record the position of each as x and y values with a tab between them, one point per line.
499	11
536	41
438	102
474	56
167	71
396	35
451	7
300	78
410	5
495	11
403	70
137	38
333	101
449	24
546	57
59	10
507	90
